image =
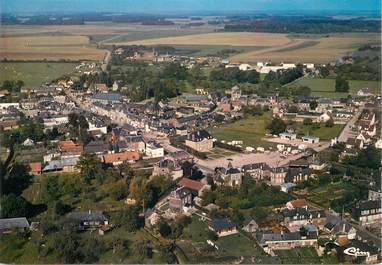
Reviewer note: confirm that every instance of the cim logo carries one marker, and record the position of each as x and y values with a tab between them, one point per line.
356	252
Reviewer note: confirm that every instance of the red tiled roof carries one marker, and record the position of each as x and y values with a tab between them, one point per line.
116	157
298	203
35	167
191	184
70	147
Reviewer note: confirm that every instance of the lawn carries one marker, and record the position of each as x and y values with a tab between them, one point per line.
236	245
322	87
303	256
197	230
250	130
34	74
324	133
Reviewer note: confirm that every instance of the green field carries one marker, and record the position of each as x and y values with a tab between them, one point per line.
34	74
250	130
197	230
236	245
324	133
322	87
303	256
324	194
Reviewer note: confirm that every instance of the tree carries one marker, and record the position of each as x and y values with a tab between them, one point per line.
129	218
61	208
51	189
212	235
142	249
307	121
341	85
277	126
164	229
313	105
329	123
13	206
90	166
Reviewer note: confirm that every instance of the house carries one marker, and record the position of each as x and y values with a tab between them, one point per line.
231	176
168	166
368	213
354	143
296	204
324	117
234	93
250	225
222	227
100	87
278	241
299	174
278	175
7	125
89	219
96	147
374	195
295	218
310	139
135	143
288	136
106	98
340	228
64	164
197	188
119	158
7	225
35	168
287	187
200	141
364	92
70	148
181	197
257	171
154	150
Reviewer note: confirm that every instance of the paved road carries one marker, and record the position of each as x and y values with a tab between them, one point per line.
347	131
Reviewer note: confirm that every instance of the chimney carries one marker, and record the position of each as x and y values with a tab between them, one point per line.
343	227
90	211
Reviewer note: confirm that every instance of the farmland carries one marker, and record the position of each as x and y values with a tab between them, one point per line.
326	87
78	42
323	132
272	46
34	74
52	48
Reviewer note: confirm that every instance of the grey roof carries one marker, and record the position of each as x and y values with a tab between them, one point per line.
302	213
59	164
221	223
96	147
199	135
11	223
233	170
107	96
87	216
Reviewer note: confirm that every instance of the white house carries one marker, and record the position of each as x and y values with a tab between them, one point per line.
288	136
364	92
310	139
154	150
245	67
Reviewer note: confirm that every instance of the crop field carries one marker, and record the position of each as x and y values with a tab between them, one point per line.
77	42
224	38
34	74
270	46
318	50
322	87
53	48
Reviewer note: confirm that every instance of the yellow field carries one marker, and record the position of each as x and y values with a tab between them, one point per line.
274	47
49	47
323	51
232	39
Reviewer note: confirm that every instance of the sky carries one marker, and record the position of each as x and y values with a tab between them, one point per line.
189	6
